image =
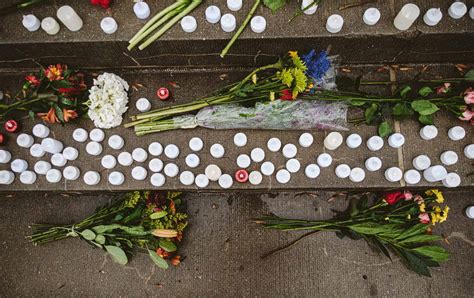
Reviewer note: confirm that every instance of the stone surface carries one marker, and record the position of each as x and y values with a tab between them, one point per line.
223	250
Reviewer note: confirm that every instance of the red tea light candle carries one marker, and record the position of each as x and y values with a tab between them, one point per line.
2	139
242	176
12	126
163	93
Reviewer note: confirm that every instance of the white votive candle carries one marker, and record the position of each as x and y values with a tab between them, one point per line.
471	13
428	132
143	105
433	16
274	144
255	178
217	151
257	155
155	165
19	165
396	140
334	23
452	180
192	160
196	144
125	159
37	150
243	161
343	171
435	173
71	173
68	16
24	140
58	160
42	167
80	135
283	176
139	155
449	158
293	165
371	16
54	176
267	168
375	143
171	170
312	171
188	24
333	141
357	175
258	24
51	145
213	14
139	173
240	139
324	160
108	25
50	26
171	151
354	141
155	149
306	140
412	177
31	22
141	10
28	177
234	5
40	131
157	180
393	174
456	133
228	22
310	7
468	151
421	162
108	161
70	153
6	177
186	178
93	148
289	151
116	178
373	164
406	17
91	178
97	135
225	181
457	10
213	172
5	156
116	142
201	181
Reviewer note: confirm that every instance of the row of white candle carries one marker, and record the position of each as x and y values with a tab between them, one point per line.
66	14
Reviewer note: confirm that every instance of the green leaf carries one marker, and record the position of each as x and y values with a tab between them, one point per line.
100	239
469	76
117	254
370	113
425	91
88	235
370	228
357	103
167	245
414	262
384	129
418	229
402	110
424	107
426	120
105	228
421	239
404	92
158	215
274	5
59	112
436	253
159	261
376	243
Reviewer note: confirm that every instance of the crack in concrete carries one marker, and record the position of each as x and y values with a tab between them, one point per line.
461	236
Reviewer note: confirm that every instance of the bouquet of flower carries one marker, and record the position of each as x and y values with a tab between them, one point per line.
140	221
400	222
108	100
56	94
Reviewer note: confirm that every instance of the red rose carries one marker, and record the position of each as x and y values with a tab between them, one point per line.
104	3
394	197
286	95
33	80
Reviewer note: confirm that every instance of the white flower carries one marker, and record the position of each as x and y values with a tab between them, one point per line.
108	100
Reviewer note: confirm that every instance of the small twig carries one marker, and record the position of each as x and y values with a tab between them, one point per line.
290	245
356	4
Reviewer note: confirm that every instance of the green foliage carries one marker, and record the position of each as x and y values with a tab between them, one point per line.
405	91
159	261
370	113
274	5
425	91
384	129
117	254
424	107
167	245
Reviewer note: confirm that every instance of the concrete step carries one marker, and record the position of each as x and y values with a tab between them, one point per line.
194	83
356	43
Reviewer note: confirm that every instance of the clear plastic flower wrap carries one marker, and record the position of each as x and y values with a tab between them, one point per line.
275	115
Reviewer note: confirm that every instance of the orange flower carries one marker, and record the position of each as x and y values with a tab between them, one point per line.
49	117
69	114
162	253
172	207
179	237
55	72
176	260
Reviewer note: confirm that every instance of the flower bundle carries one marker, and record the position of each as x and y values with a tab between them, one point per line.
400	222
140	221
56	94
108	99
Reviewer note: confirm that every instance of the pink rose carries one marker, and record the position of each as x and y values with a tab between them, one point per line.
469	96
408	195
424	218
466	115
444	89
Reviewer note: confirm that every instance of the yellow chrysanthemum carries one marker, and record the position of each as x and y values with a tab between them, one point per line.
293	54
444	217
437	194
422	207
254	78
437	209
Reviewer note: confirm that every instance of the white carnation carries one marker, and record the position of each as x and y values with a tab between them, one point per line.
108	100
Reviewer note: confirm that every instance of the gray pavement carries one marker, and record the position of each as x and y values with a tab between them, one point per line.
223	250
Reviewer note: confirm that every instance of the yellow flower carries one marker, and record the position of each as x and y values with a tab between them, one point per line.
293	54
437	194
437	209
444	217
387	218
409	216
272	96
422	207
254	78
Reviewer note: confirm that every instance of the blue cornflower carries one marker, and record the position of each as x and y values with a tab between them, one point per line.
317	63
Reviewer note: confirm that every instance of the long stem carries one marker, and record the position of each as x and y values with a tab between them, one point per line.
241	28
